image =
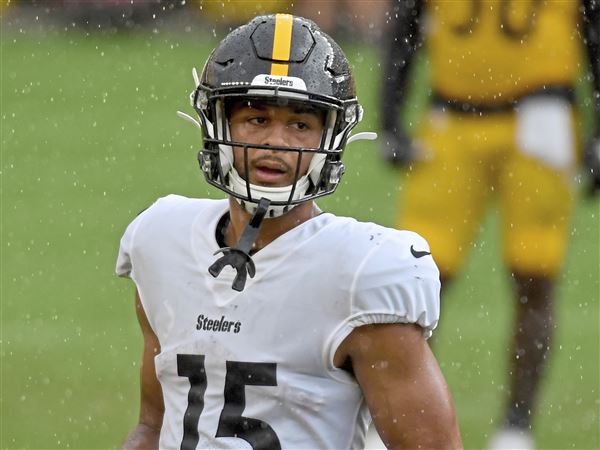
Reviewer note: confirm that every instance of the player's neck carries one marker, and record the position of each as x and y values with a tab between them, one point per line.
270	229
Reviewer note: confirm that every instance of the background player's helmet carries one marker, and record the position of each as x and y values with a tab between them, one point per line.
281	59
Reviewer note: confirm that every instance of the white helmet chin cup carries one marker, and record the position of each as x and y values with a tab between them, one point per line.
276	194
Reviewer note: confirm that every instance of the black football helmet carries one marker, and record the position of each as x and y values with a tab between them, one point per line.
282	59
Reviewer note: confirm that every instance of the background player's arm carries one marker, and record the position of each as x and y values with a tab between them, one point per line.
403	385
591	23
591	33
403	42
146	433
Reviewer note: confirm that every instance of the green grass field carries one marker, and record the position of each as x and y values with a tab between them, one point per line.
90	137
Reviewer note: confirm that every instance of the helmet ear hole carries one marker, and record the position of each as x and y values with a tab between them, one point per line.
200	100
332	174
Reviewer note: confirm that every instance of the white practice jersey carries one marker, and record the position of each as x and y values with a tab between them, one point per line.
254	369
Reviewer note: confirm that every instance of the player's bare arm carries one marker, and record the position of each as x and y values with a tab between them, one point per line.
403	385
145	434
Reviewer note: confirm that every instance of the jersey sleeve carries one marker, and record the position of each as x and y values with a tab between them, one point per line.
397	282
124	265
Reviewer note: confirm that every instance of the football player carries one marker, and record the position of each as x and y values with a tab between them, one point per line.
501	126
268	323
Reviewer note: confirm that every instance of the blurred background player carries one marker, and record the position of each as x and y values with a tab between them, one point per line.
501	125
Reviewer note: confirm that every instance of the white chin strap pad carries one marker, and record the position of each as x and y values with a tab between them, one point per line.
276	194
226	158
315	167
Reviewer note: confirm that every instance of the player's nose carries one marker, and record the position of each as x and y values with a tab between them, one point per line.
276	134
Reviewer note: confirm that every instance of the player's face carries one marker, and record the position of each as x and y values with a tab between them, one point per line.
284	126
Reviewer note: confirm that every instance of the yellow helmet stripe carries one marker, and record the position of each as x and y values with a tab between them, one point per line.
282	43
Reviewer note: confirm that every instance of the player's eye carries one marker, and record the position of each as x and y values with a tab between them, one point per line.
300	126
257	120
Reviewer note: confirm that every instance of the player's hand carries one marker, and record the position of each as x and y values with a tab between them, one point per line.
397	148
591	162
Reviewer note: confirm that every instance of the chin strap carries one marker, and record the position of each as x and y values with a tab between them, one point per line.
238	256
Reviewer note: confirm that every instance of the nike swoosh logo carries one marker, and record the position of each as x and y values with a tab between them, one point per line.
417	253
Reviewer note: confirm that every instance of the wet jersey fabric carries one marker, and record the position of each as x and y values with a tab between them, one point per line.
254	369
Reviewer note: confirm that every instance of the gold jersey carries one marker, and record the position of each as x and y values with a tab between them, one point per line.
490	52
